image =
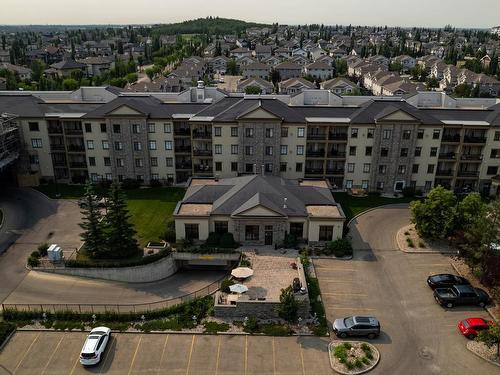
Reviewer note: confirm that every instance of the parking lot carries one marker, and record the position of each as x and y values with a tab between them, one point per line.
128	353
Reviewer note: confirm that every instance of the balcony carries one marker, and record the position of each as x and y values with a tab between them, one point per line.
59	163
446	155
202	168
451	138
336	155
310	170
73	131
444	172
471	157
76	148
183	132
202	135
77	164
183	165
336	171
473	139
316	136
337	136
315	153
58	147
468	173
202	152
183	149
55	130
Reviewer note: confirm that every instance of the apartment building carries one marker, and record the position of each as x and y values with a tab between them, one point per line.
379	144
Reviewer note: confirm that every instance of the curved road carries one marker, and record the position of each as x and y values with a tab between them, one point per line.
30	219
418	336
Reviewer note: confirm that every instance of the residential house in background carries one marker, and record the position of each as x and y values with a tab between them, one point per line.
64	68
340	86
288	69
266	87
97	65
256	69
262	52
23	72
293	86
319	70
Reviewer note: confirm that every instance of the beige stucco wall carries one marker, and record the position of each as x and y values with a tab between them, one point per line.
45	160
203	227
313	230
361	142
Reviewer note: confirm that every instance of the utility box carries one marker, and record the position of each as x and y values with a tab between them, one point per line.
54	253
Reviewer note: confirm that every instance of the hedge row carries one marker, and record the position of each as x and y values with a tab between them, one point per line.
6	328
74	263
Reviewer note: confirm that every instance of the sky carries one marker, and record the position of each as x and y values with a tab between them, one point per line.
430	13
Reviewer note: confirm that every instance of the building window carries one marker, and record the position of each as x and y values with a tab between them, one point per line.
103	127
137	146
92	161
138	163
366	168
151	128
401	169
88	128
430	168
350	167
234	131
269	132
436	133
36	142
221	227
251	232
218	149
380	185
420	134
370	133
300	132
169	162
297	230
167	128
300	150
497	136
325	232
34	159
269	150
406	134
248	150
218	166
191	231
168	145
234	166
217	131
109	176
152	145
269	167
434	151
33	126
364	184
352	150
90	144
368	151
492	170
495	153
155	176
119	162
118	146
107	161
282	167
414	168
105	145
136	128
387	134
94	177
153	161
418	151
428	185
117	128
354	133
348	184
249	132
382	169
384	151
298	167
139	178
283	149
234	149
284	132
249	168
404	152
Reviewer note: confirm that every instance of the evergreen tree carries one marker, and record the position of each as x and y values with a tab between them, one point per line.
93	236
120	233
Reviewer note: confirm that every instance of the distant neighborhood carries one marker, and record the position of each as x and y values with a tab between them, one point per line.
254	59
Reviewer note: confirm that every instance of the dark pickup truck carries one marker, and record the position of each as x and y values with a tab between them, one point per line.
461	295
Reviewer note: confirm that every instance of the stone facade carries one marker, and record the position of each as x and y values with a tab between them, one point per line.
279	227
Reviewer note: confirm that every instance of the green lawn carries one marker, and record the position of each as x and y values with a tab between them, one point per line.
355	205
150	208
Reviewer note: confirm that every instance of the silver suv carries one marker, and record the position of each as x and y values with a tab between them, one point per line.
357	326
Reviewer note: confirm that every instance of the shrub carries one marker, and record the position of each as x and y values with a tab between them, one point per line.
275	330
5	330
358	363
288	307
290	241
75	263
365	360
408	192
214	327
33	262
421	244
349	365
410	243
347	345
35	254
340	247
169	234
227	241
251	326
130	183
42	249
225	285
366	348
407	233
213	239
155	183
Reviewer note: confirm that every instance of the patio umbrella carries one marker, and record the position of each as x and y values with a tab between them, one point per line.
242	272
238	288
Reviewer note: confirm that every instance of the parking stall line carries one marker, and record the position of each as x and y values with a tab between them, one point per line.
106	356
343	294
218	356
26	352
274	358
135	355
53	352
190	354
163	353
352	308
302	359
246	354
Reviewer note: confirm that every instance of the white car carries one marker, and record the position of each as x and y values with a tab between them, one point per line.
94	346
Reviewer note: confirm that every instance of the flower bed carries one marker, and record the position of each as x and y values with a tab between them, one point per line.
409	241
352	357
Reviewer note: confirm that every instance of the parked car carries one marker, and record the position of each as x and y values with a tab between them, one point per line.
446	280
356	326
472	326
461	295
94	346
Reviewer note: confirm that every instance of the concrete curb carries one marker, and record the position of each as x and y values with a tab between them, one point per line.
400	247
489	310
6	341
44	195
374	208
353	372
330	257
480	356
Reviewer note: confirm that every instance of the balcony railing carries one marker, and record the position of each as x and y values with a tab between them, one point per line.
59	163
337	136
471	139
336	154
183	165
202	152
468	173
318	136
315	153
339	171
471	157
314	170
451	138
55	130
183	149
446	155
202	168
444	172
73	131
182	131
78	164
76	148
57	147
202	135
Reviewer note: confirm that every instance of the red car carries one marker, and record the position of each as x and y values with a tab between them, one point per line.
471	327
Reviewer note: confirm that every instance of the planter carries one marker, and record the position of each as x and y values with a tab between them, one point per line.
352	357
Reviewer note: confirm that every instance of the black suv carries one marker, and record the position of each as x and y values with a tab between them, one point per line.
357	326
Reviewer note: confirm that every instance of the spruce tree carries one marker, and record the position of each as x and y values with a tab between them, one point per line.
119	232
93	236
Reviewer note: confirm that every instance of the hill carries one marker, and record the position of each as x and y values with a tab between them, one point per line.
209	25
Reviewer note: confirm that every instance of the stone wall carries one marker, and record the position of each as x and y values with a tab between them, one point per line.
159	270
